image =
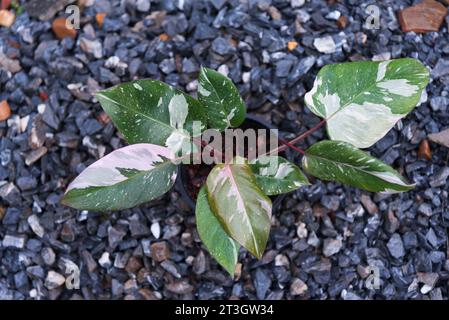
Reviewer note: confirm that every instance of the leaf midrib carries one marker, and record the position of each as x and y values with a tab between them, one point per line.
352	101
351	166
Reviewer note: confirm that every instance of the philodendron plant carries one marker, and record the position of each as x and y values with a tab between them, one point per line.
358	101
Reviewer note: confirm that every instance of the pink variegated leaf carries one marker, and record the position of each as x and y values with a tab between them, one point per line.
239	204
123	179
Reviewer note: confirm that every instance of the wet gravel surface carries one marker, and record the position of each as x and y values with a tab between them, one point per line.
327	241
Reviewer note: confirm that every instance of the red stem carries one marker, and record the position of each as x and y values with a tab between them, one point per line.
285	145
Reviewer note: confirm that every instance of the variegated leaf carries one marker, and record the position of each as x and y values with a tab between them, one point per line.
342	162
276	175
150	111
222	247
224	106
362	101
242	208
123	179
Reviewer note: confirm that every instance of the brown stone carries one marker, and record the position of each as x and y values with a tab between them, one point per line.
274	13
2	212
62	30
426	16
424	150
133	265
342	22
179	287
99	17
238	271
298	287
160	251
5	110
369	205
35	155
440	137
291	45
6	18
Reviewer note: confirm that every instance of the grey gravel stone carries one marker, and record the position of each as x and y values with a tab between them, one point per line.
48	256
45	9
396	246
54	280
35	225
331	246
425	209
440	178
13	241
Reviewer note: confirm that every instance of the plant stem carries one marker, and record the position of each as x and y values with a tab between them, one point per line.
285	144
290	143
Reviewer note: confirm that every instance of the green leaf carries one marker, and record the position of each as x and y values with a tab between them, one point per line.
276	175
362	101
123	179
149	111
224	106
242	208
342	162
223	248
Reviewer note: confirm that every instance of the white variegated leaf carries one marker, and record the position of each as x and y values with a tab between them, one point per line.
342	162
123	179
221	99
276	175
362	101
150	111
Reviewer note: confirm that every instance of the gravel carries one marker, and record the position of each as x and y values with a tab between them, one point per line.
326	239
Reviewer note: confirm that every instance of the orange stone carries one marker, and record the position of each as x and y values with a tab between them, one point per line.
424	150
164	37
100	18
5	110
291	45
62	30
426	16
6	18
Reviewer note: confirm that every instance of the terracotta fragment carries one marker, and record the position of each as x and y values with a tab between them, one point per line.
426	16
62	30
99	17
5	110
424	150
